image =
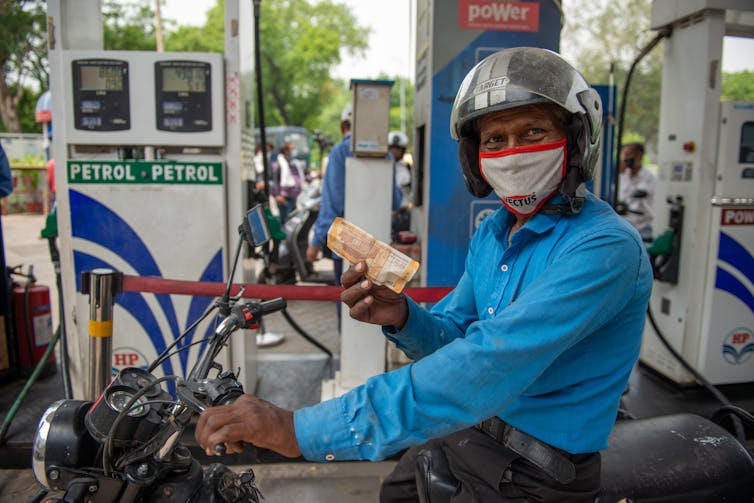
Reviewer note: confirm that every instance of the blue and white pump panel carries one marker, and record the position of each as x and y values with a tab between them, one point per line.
451	39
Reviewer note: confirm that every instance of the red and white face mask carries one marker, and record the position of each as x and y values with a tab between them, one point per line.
524	178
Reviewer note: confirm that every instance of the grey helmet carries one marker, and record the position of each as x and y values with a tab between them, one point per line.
522	76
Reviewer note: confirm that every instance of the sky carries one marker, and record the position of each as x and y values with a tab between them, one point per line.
391	40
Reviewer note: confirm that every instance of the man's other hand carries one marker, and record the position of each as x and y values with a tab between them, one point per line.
251	420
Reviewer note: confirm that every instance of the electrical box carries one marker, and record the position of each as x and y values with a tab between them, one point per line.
371	117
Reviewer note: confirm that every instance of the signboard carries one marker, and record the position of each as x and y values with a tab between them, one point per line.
498	15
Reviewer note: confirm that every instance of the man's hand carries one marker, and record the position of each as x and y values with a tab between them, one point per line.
311	253
371	303
249	419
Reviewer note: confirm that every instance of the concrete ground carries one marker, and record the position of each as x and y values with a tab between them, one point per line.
289	374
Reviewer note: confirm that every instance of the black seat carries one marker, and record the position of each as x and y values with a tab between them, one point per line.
675	458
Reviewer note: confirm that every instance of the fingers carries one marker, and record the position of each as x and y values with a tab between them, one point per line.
353	274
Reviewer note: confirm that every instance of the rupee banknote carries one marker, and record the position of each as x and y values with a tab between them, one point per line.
385	265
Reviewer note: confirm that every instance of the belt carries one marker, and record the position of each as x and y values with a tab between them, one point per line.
547	458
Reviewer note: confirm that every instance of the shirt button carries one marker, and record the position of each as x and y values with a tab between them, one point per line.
330	457
504	267
490	310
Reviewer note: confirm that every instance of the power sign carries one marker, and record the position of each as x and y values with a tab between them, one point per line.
496	15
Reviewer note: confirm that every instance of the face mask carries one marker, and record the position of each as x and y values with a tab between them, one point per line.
525	177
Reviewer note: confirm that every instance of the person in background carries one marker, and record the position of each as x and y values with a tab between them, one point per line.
518	371
259	172
637	190
401	218
397	145
6	177
6	188
332	204
288	178
50	183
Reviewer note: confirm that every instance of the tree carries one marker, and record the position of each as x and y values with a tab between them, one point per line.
605	36
128	26
23	58
738	86
301	41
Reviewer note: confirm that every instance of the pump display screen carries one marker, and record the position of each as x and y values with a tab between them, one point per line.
183	79
101	97
183	96
101	78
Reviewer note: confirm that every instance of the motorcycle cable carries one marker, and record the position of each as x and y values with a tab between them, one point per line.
166	352
108	447
222	303
128	458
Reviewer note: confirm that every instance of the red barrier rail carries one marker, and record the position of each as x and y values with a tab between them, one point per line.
254	291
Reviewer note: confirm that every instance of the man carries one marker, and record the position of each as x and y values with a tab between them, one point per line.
332	204
397	145
288	181
637	190
519	370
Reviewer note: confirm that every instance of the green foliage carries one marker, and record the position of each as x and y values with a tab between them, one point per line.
738	86
608	36
128	26
207	38
23	60
300	43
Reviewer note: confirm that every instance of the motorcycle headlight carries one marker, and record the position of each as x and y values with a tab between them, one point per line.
61	442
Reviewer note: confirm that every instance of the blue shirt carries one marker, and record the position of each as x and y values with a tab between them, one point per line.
6	177
542	333
332	203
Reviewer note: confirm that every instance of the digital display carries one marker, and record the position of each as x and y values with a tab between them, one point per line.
101	78
90	106
172	107
172	122
184	79
91	121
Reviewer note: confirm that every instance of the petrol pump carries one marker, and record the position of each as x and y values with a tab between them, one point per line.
148	171
450	40
703	296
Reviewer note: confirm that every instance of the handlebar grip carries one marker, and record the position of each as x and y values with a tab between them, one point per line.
272	305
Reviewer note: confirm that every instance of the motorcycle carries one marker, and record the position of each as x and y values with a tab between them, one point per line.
125	446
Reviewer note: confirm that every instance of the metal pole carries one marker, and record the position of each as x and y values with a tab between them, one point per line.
102	285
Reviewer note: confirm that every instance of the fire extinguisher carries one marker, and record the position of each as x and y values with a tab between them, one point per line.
33	323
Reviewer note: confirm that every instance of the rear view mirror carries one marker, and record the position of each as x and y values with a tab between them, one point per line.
254	228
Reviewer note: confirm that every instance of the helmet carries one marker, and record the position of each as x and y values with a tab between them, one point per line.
347	114
397	139
521	76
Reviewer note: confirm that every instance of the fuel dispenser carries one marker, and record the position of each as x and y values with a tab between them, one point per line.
703	296
450	40
147	172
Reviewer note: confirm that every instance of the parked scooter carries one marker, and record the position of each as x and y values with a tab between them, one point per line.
284	261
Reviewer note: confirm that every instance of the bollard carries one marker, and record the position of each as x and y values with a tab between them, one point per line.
101	285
